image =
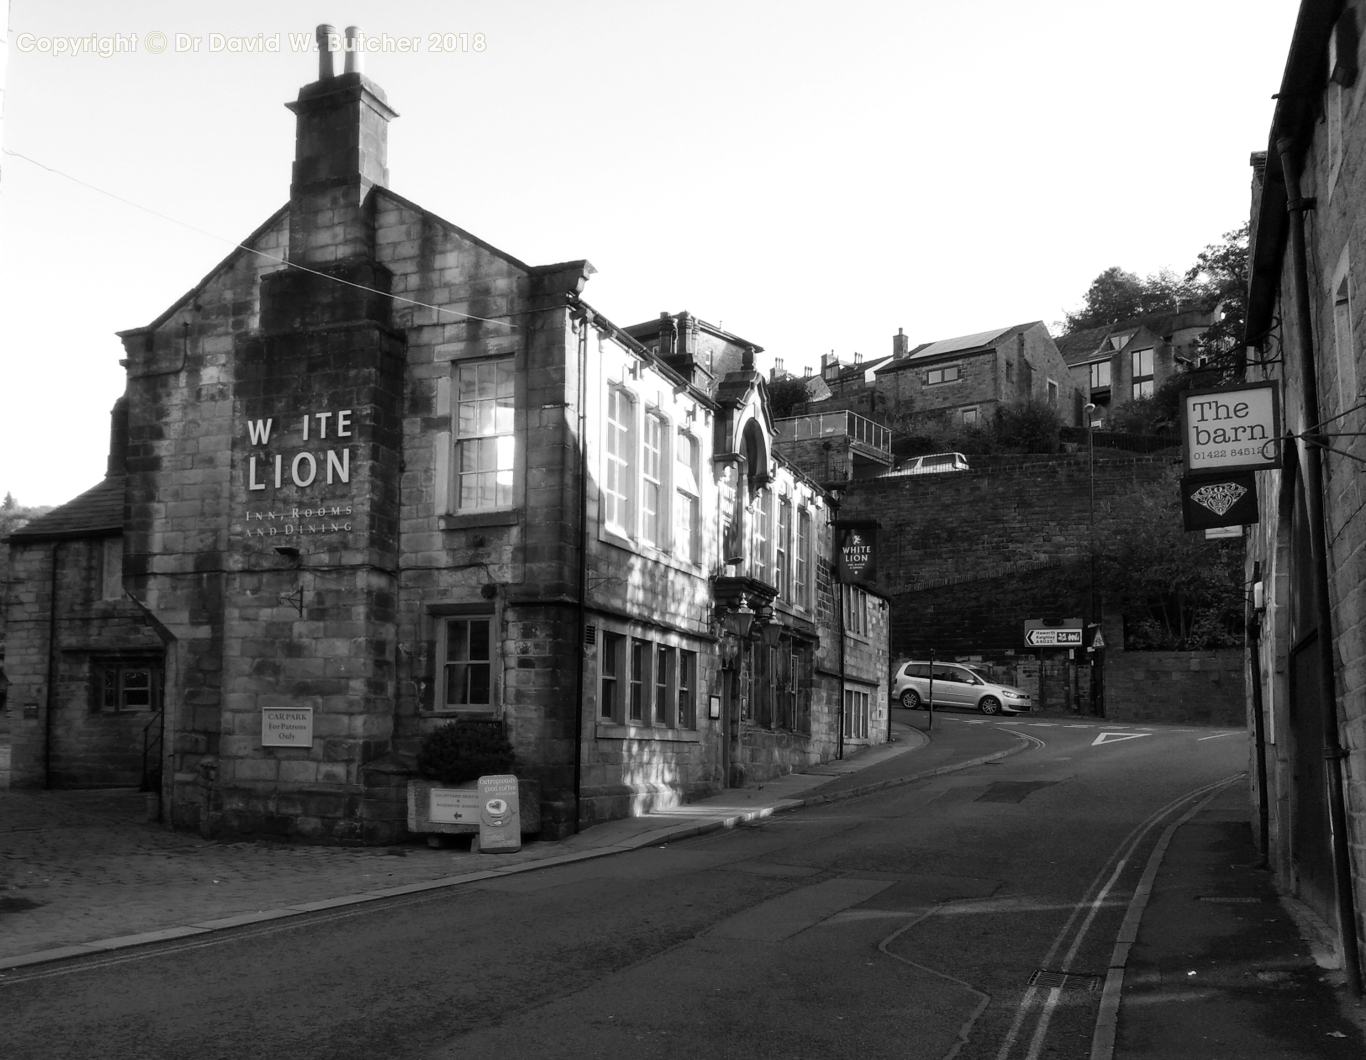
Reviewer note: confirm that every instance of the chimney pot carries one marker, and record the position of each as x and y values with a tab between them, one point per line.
326	35
353	50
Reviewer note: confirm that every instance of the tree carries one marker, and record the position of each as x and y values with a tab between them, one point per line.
1176	590
13	515
1218	278
1113	296
1159	413
785	394
1221	272
1022	427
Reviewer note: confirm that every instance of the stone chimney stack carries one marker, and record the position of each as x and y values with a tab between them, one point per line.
900	344
118	438
341	148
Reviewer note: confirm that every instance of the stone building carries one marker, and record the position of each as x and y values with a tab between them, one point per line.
377	474
965	379
1122	362
1307	640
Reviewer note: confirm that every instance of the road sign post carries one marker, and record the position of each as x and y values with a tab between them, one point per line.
929	695
1041	633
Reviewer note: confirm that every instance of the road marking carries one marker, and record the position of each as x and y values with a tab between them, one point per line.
1115	737
1091	902
1076	726
1216	736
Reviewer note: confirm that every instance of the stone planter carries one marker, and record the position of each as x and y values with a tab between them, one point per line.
420	800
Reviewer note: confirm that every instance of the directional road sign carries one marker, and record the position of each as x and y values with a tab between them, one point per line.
1043	634
1062	637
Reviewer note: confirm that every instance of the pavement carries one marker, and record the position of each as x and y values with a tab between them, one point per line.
1216	964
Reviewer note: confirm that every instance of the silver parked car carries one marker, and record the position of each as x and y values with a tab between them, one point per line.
956	685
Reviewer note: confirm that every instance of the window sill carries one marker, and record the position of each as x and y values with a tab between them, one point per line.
609	731
491	714
496	517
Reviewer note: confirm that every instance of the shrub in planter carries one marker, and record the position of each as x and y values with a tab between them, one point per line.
464	750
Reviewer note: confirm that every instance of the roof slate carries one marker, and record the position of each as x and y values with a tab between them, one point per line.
95	512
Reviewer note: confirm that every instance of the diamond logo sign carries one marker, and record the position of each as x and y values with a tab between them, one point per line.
1229	500
1220	497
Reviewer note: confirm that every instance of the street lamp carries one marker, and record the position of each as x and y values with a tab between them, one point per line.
1088	410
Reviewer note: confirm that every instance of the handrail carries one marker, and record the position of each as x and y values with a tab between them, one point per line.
842	422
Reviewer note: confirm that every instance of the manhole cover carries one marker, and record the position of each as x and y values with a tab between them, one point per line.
1048	979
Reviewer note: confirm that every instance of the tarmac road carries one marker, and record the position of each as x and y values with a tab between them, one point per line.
904	923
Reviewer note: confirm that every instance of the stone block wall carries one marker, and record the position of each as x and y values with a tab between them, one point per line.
1197	687
904	391
90	748
1004	516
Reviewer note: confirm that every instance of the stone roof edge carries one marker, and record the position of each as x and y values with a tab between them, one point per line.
241	248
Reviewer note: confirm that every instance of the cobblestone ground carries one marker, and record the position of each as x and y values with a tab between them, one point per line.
78	866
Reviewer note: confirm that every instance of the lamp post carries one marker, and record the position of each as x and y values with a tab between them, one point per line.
1088	411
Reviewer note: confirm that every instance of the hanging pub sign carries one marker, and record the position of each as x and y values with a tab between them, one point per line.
1231	429
857	551
1222	500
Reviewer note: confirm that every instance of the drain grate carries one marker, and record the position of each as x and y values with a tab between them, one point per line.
1049	979
1230	900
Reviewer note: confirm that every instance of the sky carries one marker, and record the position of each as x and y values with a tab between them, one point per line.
810	176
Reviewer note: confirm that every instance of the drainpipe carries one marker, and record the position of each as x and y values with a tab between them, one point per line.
51	668
1254	647
584	325
839	610
1333	751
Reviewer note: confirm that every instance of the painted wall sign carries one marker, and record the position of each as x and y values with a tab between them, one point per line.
287	727
500	816
858	553
302	469
1225	500
287	522
1233	428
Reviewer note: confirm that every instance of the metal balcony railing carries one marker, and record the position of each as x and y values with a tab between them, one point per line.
843	423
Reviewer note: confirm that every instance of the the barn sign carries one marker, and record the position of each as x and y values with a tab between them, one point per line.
1231	429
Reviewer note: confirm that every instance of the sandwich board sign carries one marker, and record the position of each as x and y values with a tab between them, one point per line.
500	814
1039	633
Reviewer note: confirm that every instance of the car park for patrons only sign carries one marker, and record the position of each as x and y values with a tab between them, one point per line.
1040	633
